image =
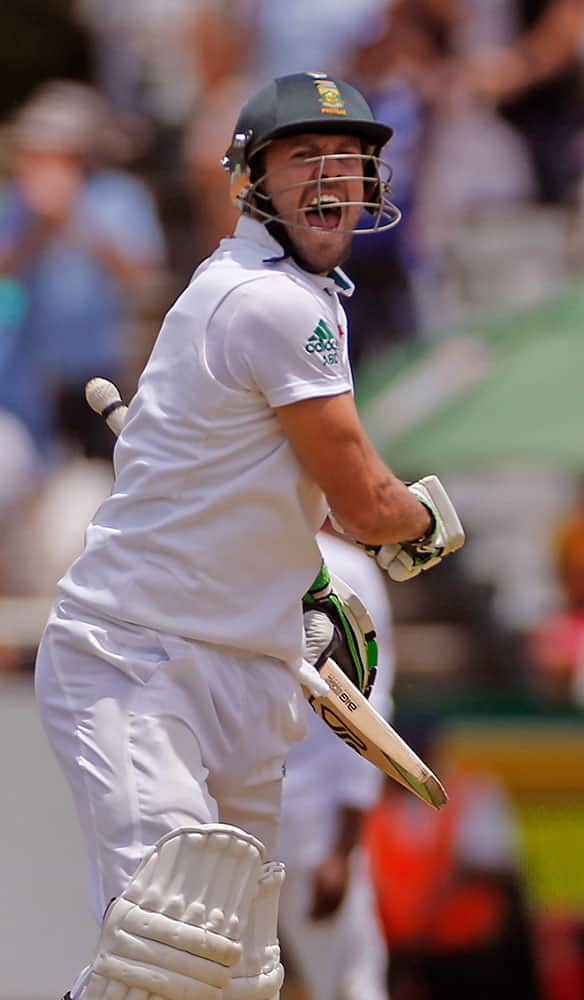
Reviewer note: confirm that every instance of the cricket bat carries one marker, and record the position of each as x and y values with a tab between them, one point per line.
344	709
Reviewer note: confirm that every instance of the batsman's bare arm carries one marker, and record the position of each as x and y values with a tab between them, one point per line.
367	498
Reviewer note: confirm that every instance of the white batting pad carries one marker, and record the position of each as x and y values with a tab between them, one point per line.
259	974
174	934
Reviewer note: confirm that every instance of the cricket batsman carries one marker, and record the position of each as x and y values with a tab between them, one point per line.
171	671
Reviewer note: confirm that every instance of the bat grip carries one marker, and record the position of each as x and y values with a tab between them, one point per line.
115	415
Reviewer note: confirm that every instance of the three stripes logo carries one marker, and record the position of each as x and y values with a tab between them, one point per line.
324	343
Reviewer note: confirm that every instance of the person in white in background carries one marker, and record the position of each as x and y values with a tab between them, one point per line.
328	922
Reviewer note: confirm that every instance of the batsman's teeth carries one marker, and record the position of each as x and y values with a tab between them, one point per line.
326	201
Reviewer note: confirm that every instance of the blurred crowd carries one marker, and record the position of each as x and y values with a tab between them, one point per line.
113	119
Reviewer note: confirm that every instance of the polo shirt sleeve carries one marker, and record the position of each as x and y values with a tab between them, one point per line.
280	340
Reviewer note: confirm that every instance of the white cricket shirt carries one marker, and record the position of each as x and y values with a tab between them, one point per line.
209	532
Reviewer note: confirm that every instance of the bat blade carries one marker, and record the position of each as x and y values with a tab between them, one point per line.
348	713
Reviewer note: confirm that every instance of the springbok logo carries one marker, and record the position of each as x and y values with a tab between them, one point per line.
330	98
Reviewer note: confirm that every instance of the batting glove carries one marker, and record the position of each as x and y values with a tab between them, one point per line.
404	560
338	626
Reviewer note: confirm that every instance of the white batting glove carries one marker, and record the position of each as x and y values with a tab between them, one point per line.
405	560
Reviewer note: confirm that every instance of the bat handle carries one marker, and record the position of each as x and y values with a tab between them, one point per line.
104	398
114	415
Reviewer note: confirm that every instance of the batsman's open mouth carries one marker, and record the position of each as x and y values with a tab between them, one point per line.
324	213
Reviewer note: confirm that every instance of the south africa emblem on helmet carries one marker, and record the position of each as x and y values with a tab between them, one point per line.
330	98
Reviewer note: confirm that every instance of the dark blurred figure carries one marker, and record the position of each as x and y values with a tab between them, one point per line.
450	894
537	82
556	645
385	314
41	40
77	239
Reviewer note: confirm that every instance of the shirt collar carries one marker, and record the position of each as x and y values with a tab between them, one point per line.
255	232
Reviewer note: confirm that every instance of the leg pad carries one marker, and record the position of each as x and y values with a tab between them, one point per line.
174	934
259	974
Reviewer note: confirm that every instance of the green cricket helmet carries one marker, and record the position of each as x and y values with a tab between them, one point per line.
308	103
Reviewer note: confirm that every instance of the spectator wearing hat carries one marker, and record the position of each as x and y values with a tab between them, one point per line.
76	238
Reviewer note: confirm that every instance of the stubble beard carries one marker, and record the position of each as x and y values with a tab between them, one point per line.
320	260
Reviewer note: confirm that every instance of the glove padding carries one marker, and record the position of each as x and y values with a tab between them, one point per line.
404	560
338	626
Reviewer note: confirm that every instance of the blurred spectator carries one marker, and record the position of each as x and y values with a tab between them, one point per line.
537	81
292	38
48	535
41	40
168	66
18	483
221	46
556	645
144	58
328	925
77	241
450	894
18	467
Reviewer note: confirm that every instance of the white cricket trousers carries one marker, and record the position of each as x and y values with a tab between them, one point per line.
154	732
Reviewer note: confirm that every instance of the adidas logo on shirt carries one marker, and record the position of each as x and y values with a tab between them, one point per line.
324	343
